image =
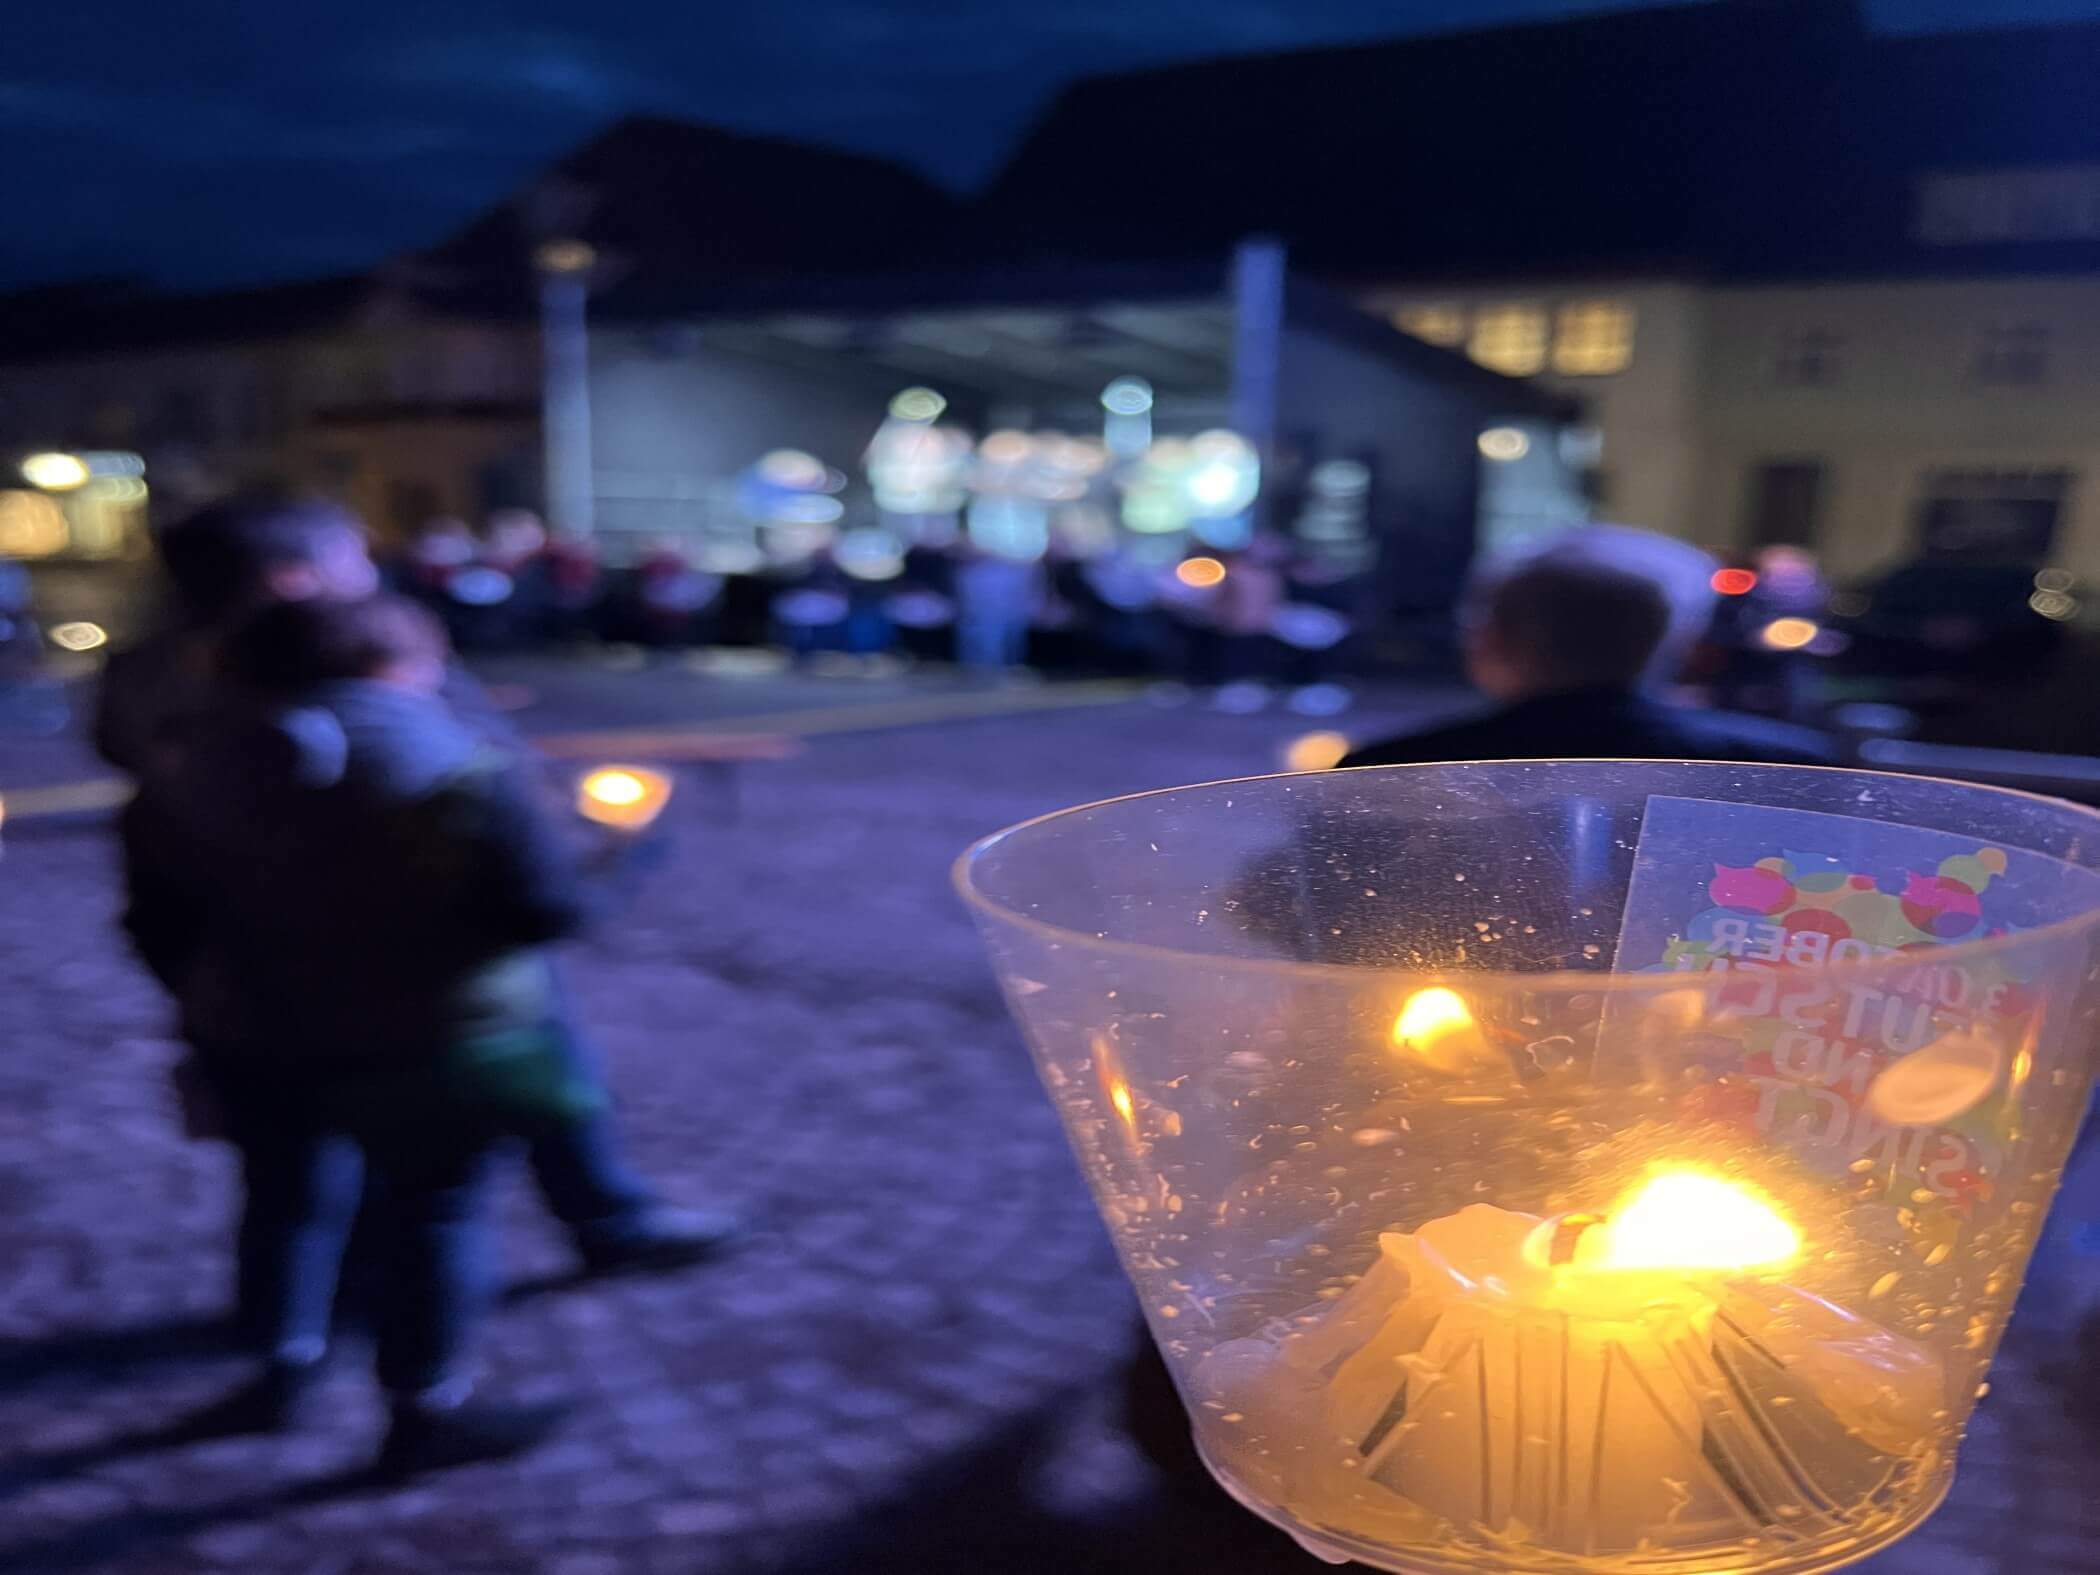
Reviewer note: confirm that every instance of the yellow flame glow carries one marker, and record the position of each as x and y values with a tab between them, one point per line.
1316	751
1687	1219
614	786
1436	1028
627	798
1431	1012
1789	634
1200	573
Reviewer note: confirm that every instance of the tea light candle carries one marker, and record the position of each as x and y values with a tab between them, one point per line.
626	798
1545	1384
1560	1380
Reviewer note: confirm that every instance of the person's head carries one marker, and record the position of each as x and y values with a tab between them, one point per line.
290	646
1592	562
250	551
1549	624
515	535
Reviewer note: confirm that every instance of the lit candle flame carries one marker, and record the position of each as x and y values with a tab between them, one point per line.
616	787
627	797
1119	1096
1689	1220
1436	1027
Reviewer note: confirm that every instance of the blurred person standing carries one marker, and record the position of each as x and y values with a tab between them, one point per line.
434	553
1571	641
996	596
226	563
575	578
1244	612
515	545
355	897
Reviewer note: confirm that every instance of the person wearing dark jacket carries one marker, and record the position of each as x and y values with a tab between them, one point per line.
1565	641
352	899
224	563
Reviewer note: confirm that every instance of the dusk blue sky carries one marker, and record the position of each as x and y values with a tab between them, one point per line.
204	144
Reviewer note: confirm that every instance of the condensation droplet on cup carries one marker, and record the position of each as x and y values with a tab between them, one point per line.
1860	1167
1939	1255
1372	1137
1883	1286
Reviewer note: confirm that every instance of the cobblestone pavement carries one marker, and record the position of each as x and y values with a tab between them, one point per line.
916	1362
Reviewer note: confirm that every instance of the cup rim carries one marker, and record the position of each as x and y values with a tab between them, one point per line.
1559	980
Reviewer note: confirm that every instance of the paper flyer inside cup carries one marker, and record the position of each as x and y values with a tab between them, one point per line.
1910	1075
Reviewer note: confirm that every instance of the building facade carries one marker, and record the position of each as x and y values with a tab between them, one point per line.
1814	284
1872	421
349	388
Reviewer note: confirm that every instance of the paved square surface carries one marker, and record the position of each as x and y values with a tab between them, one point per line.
914	1364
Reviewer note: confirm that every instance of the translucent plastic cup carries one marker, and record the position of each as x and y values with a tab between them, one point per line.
1572	1166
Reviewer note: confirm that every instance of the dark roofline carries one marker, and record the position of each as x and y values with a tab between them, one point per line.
1529	28
1526	30
681	125
928	290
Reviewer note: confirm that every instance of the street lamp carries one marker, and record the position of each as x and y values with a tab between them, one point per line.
564	265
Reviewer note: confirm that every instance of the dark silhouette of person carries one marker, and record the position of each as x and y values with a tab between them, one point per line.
353	898
224	564
1567	639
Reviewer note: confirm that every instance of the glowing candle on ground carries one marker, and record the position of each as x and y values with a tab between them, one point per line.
627	798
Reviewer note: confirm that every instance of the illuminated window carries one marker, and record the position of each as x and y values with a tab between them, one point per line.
1509	338
1593	338
1438	325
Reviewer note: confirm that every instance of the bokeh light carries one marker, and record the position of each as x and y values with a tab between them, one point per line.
1127	396
1316	751
1503	444
1734	582
917	404
869	553
31	525
1200	573
55	472
1789	634
790	467
79	636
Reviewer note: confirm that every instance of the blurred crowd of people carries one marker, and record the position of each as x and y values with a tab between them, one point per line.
1255	614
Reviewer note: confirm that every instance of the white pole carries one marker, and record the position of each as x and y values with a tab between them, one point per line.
565	415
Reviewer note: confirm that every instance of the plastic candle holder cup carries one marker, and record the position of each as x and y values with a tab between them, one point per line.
626	798
1566	1166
